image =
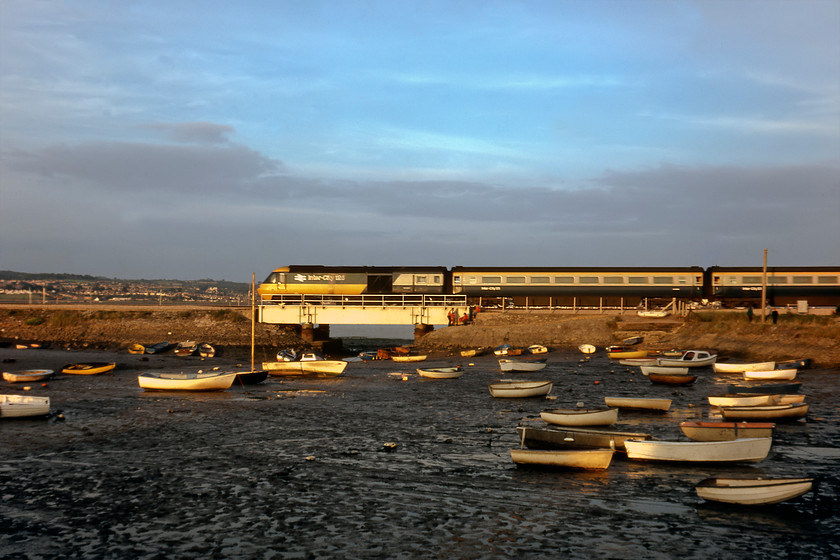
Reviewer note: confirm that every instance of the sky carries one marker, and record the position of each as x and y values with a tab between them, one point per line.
216	139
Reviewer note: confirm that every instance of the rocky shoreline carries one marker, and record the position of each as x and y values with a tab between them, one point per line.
96	327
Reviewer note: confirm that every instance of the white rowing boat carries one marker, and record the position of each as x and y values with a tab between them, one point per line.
771	375
210	381
647	370
726	367
441	372
520	389
594	459
580	416
750	450
27	376
726	431
522	365
19	406
775	412
641	403
753	491
745	399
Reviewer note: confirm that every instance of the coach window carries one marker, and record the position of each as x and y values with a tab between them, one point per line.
421	279
637	280
613	280
777	280
803	280
491	279
751	280
515	280
564	280
437	280
456	280
588	279
539	280
663	279
826	279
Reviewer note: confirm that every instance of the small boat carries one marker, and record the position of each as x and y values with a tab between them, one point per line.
726	431
186	348
136	349
672	378
647	370
773	375
801	363
210	381
409	358
726	367
776	412
638	362
206	350
593	459
652	314
561	438
538	349
587	348
473	352
580	416
641	403
690	358
251	377
441	372
744	399
520	389
507	350
775	388
622	353
91	368
521	365
757	491
632	341
158	347
19	406
27	376
791	399
750	450
308	363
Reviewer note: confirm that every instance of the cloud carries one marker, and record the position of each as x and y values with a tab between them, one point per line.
194	132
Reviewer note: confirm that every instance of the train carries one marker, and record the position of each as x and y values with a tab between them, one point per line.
559	286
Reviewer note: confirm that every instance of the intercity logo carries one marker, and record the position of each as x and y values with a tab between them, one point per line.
300	277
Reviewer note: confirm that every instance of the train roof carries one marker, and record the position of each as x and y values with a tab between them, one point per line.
775	269
361	269
569	269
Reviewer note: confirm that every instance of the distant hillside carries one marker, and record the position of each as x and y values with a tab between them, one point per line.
59	278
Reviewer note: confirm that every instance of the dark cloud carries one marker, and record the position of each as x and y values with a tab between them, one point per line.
194	132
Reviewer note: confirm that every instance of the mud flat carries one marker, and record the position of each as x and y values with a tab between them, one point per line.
369	465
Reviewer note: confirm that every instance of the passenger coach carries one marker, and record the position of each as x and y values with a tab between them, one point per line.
583	286
785	285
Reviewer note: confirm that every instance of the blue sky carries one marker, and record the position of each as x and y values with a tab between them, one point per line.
201	139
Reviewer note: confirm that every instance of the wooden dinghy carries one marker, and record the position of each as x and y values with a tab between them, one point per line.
640	403
27	376
580	416
408	358
749	450
672	378
20	406
186	348
473	352
441	372
726	367
537	349
753	491
587	348
520	389
90	368
211	381
136	349
591	459
647	370
745	399
775	388
565	437
320	368
522	364
775	412
638	362
772	375
690	358
726	431
621	353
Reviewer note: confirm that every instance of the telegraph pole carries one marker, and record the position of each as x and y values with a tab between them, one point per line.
764	287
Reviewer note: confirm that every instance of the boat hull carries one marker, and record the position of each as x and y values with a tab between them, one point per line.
775	412
321	368
561	438
441	373
726	431
591	459
185	381
521	365
94	368
749	450
520	389
664	370
627	354
580	417
747	399
753	491
773	388
773	375
725	367
27	376
640	403
21	406
672	378
408	359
